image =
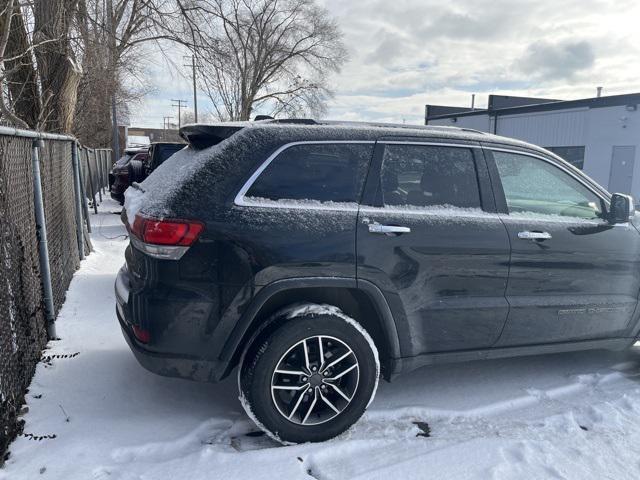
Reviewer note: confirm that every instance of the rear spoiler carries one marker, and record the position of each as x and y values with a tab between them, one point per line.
203	136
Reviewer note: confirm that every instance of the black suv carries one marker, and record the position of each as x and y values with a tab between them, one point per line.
316	257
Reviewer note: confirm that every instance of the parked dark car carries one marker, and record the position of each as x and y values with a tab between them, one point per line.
129	166
317	256
139	165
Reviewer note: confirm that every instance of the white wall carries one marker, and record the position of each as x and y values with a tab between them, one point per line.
477	122
547	129
597	129
608	127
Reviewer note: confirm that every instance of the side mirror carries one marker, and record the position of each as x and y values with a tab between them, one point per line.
621	209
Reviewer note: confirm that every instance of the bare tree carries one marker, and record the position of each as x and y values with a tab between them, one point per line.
273	55
113	36
61	61
59	71
38	72
17	70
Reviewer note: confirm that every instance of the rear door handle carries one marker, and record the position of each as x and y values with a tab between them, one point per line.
377	228
526	235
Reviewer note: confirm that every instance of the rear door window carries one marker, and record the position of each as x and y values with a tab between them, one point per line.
423	176
314	172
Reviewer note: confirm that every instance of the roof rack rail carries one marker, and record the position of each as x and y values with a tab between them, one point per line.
299	121
310	121
401	125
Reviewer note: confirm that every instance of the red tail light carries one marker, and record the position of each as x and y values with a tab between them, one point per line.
142	335
167	232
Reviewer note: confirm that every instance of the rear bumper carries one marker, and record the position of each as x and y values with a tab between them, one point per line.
161	363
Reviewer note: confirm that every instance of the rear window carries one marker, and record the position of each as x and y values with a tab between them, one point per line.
317	172
168	150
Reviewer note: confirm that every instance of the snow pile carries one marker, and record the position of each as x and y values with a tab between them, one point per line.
570	416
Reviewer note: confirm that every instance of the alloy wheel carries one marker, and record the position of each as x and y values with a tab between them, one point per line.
315	380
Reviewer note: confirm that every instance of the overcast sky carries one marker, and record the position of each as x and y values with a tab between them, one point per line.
407	53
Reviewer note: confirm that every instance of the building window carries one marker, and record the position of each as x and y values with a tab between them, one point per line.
573	155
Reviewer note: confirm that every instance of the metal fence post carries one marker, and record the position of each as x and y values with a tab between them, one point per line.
85	207
103	169
106	154
78	198
98	174
92	183
43	249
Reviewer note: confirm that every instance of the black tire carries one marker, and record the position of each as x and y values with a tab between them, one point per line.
136	171
336	334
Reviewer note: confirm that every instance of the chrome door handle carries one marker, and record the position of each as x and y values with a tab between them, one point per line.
534	235
377	228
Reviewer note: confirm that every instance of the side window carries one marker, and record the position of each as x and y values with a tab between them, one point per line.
318	172
423	176
532	185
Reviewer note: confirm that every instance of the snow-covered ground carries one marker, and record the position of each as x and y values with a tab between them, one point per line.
560	416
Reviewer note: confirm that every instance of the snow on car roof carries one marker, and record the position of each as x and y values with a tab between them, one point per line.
355	130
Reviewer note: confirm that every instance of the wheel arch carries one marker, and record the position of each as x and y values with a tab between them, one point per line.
362	301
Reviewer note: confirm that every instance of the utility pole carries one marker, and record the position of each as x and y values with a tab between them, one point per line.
166	125
195	94
179	104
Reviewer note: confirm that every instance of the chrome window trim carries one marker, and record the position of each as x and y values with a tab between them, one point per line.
430	144
241	201
430	212
298	206
555	164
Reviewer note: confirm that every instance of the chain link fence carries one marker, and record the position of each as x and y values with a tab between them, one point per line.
23	309
95	165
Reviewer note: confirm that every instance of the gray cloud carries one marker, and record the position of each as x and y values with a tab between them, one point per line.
562	60
389	50
405	53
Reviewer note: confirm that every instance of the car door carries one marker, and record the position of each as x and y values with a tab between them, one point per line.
573	275
429	238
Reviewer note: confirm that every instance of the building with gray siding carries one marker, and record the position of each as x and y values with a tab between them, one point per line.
598	135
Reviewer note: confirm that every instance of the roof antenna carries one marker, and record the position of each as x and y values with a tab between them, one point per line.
599	92
473	101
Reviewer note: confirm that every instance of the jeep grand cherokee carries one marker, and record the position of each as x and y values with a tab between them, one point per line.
317	256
